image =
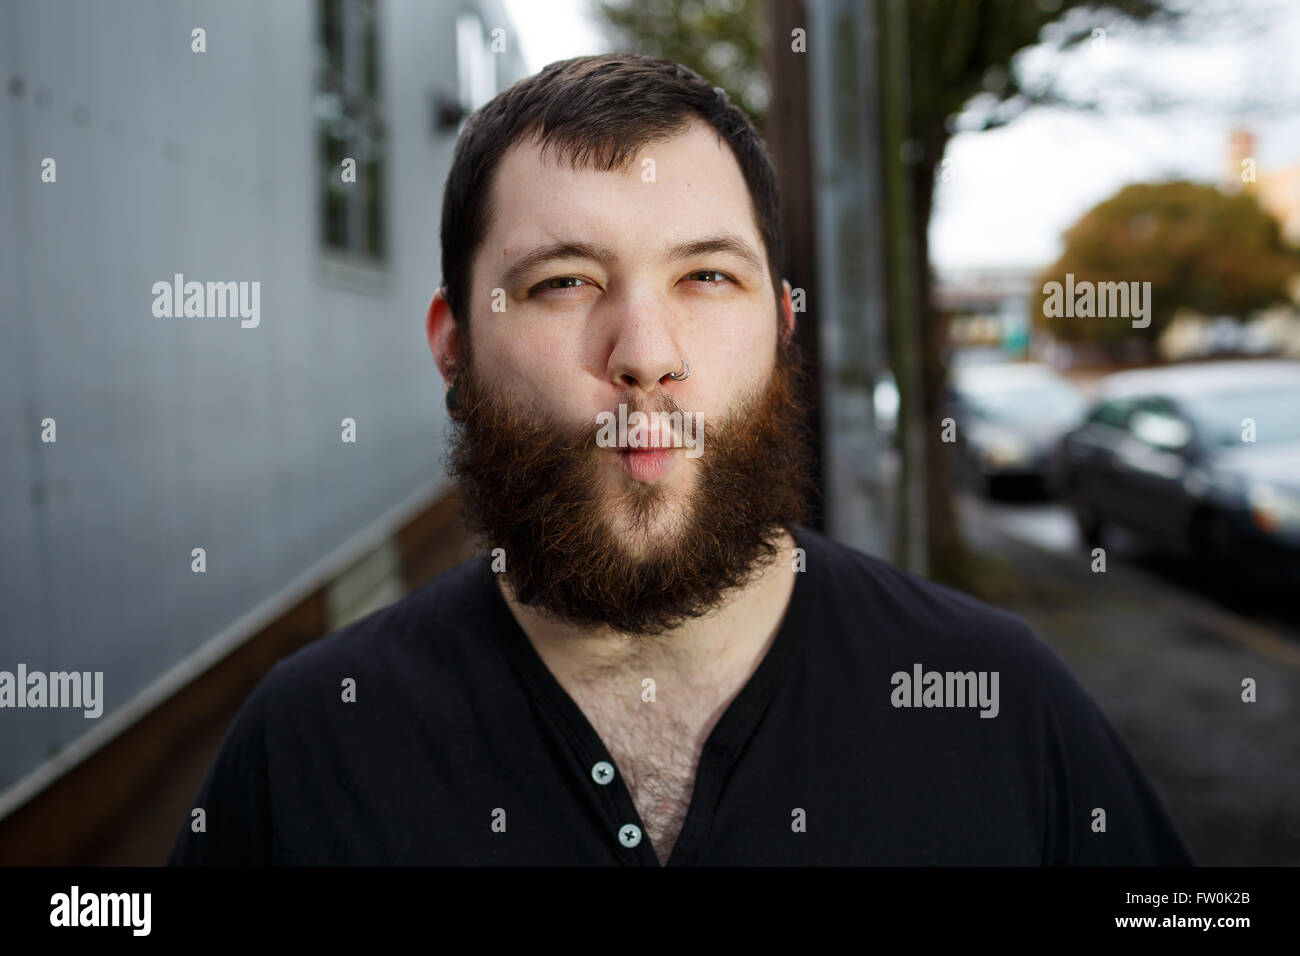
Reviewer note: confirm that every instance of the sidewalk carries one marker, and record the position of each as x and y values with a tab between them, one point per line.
1167	668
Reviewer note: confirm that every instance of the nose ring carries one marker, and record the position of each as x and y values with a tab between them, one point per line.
682	375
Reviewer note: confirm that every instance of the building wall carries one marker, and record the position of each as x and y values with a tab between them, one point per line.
180	433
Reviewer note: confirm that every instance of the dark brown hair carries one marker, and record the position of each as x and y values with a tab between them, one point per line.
595	112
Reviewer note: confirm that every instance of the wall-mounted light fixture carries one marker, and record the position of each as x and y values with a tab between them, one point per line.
447	114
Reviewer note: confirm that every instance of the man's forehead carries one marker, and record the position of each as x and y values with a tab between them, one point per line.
675	188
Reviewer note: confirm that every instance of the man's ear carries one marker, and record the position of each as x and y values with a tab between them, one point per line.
786	317
444	337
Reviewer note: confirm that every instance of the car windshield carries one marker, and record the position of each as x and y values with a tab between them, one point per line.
1220	417
1037	402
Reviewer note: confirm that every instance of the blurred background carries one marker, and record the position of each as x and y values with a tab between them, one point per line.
1047	265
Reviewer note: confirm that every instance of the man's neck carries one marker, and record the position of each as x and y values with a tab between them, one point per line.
729	639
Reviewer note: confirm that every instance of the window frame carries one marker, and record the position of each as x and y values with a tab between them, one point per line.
354	78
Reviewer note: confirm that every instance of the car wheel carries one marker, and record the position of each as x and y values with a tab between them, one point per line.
1214	541
1091	527
976	480
1217	555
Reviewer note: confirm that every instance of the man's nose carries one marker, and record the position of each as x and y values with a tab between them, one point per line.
646	350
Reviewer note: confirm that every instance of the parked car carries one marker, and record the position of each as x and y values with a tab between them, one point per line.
1009	418
1203	460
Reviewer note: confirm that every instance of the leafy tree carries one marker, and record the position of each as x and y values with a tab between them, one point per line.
1199	248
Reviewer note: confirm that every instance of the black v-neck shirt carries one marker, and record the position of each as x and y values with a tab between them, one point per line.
461	748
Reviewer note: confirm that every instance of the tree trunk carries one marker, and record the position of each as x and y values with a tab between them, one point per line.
947	549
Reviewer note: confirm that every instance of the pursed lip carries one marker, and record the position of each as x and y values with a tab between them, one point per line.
652	437
647	464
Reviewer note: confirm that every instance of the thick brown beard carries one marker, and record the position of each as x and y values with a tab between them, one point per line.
530	485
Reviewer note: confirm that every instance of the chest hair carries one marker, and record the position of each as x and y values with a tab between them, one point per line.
657	751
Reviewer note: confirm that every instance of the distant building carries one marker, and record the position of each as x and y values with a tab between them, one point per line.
1277	189
987	307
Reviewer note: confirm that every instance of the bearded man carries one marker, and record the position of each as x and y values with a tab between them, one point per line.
655	661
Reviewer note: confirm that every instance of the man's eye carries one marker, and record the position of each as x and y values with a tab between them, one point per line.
715	277
559	282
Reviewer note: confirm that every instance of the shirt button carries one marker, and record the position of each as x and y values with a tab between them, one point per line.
630	835
603	772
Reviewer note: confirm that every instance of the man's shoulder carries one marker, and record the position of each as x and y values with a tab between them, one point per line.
423	626
844	571
892	607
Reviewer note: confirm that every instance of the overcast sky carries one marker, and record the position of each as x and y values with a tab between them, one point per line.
1014	190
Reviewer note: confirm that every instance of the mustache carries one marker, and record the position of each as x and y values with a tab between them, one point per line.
662	407
533	425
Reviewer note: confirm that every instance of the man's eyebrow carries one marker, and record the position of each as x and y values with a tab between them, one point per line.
555	250
551	251
725	244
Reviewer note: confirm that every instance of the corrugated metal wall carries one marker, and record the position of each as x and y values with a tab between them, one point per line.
182	433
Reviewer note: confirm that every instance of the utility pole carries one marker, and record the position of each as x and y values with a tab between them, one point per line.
898	153
843	98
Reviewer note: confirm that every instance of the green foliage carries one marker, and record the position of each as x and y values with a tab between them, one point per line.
1200	248
722	40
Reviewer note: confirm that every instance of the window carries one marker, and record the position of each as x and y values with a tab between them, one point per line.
1155	423
1111	413
1221	415
350	125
